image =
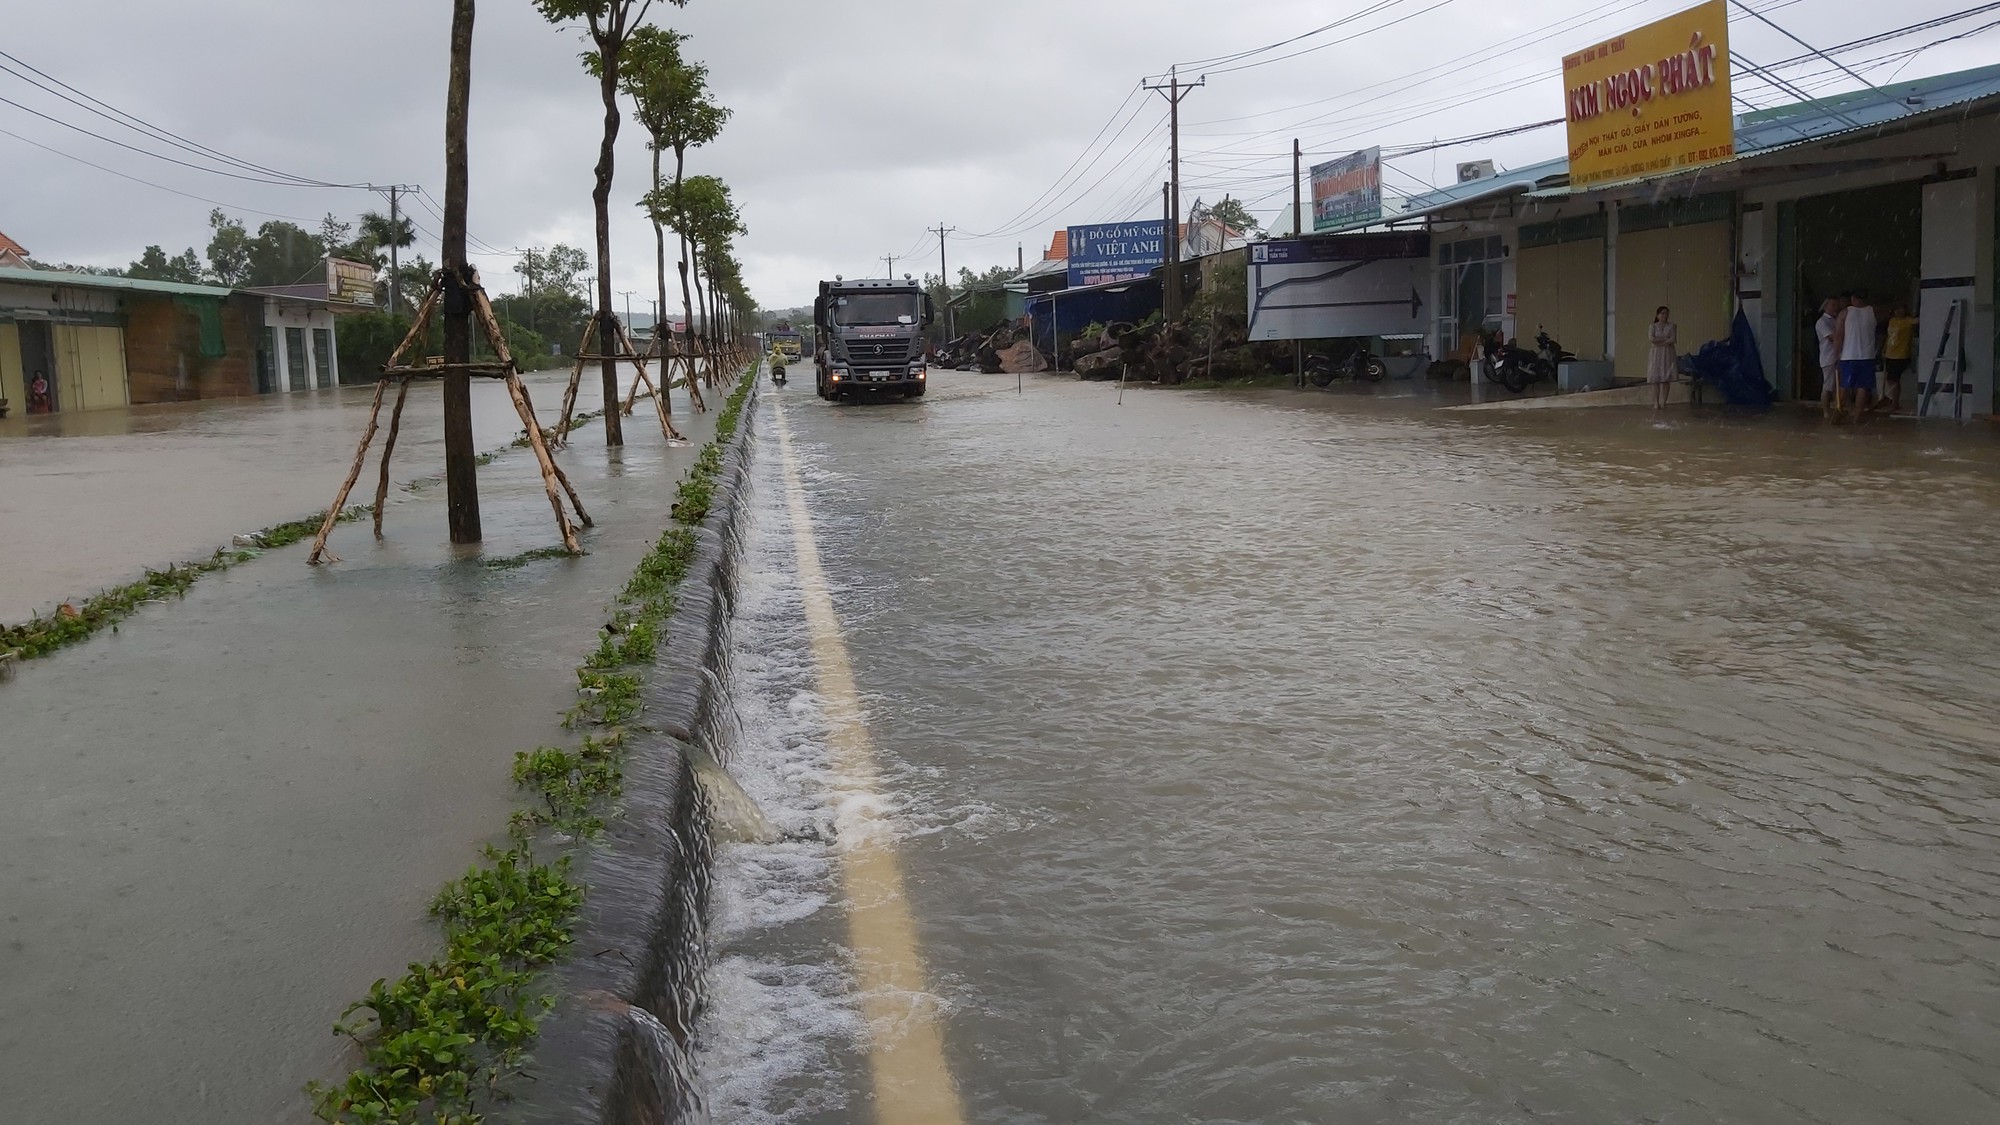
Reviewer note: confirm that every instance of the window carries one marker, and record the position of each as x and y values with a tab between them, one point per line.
295	358
323	356
267	362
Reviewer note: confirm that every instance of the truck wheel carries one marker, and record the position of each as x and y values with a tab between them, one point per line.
917	392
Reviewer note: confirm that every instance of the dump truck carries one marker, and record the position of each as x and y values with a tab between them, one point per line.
869	337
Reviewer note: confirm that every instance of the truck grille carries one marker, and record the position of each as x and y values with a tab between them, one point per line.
870	355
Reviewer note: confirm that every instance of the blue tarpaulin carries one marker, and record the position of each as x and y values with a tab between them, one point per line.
1070	311
1733	366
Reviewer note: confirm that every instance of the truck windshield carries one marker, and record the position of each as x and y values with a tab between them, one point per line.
876	308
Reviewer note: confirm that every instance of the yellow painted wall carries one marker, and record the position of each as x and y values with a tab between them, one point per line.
1684	268
92	365
1561	288
13	385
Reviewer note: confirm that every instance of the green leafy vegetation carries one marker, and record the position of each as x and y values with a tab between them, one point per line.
438	1042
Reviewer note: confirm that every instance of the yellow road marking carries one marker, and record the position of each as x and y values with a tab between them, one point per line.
906	1057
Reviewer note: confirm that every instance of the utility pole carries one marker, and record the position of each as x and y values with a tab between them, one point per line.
1174	91
1020	257
944	279
627	294
891	259
396	234
461	474
1298	231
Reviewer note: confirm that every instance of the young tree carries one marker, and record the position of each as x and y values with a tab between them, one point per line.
700	208
671	101
1237	216
610	23
333	234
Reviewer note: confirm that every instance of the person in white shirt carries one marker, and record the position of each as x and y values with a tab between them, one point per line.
1829	357
1857	352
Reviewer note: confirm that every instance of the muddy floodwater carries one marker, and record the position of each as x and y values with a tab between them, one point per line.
223	821
1314	758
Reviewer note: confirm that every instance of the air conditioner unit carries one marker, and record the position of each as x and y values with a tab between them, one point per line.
1475	170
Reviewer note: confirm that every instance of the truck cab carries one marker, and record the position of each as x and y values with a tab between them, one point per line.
869	337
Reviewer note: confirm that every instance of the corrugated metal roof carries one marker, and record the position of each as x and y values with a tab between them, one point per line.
100	281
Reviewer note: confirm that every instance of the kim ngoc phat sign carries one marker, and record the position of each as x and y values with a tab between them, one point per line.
350	283
1652	101
1106	252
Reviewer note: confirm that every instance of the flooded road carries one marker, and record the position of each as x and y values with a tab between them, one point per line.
221	822
1283	757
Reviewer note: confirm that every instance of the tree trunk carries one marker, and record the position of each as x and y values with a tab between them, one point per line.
660	254
461	473
600	195
687	302
701	296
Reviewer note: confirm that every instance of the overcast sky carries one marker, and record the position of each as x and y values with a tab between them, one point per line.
857	124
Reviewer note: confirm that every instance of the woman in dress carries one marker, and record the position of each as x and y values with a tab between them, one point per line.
1660	360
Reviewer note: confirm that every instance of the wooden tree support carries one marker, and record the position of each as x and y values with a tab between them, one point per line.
397	370
621	349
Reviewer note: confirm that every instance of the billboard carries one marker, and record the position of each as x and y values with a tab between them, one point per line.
1104	252
350	283
1651	101
1337	286
1348	192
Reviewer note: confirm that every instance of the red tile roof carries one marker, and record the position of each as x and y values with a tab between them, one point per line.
8	244
1058	246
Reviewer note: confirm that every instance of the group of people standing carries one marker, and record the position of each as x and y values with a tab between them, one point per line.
1853	344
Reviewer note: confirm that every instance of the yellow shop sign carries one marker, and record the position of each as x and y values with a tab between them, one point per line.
1651	101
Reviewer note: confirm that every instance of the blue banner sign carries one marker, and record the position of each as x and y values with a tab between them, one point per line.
1341	248
1106	252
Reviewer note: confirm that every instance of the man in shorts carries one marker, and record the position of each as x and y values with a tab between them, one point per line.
1857	352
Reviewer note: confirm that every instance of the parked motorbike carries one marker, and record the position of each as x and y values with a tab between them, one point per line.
1515	367
1550	350
1356	363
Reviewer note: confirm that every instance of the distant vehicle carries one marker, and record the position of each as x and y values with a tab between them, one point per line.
787	342
869	337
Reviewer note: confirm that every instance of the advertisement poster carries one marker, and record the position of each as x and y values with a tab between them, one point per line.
350	283
1339	286
1651	101
1348	192
1106	252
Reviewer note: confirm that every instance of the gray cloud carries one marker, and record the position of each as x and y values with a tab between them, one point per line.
857	124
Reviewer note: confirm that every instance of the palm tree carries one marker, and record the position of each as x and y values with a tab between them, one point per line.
378	232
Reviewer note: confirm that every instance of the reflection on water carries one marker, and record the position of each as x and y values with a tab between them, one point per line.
1308	758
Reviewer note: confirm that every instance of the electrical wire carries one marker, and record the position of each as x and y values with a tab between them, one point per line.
71	94
151	184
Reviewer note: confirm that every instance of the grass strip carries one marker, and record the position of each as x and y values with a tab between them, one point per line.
437	1042
70	623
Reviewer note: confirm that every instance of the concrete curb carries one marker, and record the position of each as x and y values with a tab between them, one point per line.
614	1049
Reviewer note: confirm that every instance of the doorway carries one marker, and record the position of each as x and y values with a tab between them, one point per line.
1869	239
38	358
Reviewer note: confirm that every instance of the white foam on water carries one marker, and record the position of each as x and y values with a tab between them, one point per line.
782	1016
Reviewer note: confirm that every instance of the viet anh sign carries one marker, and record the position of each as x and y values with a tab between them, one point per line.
1348	191
1106	252
1339	285
1652	100
350	283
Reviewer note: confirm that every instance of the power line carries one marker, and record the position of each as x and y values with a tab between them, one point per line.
144	127
151	184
